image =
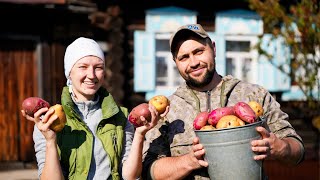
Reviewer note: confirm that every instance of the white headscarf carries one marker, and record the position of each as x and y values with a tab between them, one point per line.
78	49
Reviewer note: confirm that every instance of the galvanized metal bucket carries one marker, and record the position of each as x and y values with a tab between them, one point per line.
229	154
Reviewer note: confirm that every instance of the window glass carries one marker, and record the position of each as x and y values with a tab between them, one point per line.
230	66
239	46
246	69
161	71
162	45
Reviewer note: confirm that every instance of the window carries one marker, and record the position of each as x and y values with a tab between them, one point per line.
167	74
162	70
240	61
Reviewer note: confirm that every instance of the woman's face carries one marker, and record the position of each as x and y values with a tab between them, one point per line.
87	76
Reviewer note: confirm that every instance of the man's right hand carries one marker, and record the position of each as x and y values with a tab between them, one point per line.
197	154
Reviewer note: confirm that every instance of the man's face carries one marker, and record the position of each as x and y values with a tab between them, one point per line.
195	62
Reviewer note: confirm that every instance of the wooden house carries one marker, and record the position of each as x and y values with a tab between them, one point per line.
33	39
134	36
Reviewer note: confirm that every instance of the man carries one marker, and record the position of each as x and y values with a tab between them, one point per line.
172	150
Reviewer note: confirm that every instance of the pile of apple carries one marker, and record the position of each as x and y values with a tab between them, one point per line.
32	104
160	102
231	116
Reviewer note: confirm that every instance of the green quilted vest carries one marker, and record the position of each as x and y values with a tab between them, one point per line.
75	140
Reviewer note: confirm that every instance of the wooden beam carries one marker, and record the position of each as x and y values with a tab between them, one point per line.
35	1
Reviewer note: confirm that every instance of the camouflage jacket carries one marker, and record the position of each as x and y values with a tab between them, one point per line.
173	136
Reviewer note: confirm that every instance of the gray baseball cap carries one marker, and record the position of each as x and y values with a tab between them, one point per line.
195	28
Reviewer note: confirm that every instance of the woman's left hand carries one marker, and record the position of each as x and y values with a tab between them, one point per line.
155	117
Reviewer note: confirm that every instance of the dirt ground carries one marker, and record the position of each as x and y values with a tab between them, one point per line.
19	174
18	171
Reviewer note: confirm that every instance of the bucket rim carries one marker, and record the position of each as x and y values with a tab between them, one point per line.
230	128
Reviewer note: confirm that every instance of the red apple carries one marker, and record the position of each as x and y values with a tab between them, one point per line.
32	104
140	110
200	120
216	114
245	112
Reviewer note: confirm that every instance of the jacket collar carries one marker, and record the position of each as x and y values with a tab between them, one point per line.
108	104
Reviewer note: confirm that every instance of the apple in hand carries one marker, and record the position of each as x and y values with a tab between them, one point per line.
60	122
140	110
32	104
229	121
160	102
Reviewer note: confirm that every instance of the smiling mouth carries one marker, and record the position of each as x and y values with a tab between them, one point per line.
196	72
89	84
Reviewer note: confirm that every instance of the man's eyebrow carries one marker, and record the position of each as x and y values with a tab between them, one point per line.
182	56
198	49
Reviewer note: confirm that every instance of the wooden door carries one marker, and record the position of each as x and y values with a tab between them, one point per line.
18	80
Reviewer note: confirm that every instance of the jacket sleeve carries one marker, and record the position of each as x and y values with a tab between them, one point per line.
156	146
40	148
278	122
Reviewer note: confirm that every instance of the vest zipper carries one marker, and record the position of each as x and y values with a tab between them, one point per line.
208	105
114	138
208	101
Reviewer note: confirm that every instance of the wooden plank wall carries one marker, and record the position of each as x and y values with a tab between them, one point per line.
19	76
18	80
53	72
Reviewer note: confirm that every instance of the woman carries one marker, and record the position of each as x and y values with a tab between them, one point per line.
96	140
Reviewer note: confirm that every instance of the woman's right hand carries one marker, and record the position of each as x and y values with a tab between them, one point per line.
43	118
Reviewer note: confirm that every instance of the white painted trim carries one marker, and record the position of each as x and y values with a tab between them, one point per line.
239	56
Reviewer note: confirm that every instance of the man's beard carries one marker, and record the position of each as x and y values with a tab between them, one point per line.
199	84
